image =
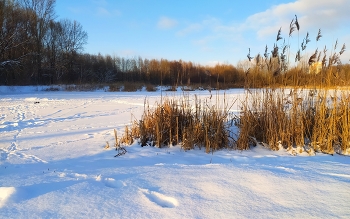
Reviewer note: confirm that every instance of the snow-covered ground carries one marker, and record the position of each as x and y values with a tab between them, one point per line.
53	165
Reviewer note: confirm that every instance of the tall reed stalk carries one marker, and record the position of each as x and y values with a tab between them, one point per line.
297	119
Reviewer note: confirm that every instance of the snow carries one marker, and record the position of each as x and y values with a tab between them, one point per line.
53	165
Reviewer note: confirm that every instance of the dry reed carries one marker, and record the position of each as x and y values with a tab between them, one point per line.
192	125
299	120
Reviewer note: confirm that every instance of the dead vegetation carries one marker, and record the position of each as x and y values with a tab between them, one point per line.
300	120
303	118
190	123
297	120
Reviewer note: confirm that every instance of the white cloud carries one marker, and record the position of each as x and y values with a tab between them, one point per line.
330	16
324	14
312	15
166	23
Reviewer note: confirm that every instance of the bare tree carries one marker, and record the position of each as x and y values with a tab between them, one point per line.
39	14
76	37
13	38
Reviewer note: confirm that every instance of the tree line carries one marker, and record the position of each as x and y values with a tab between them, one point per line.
35	48
107	69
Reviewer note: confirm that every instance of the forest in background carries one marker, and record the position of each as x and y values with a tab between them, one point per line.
36	49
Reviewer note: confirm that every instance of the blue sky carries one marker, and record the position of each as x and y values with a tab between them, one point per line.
204	31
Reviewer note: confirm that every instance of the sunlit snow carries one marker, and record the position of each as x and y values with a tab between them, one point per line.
53	165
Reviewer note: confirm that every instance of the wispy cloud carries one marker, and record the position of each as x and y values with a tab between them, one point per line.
166	23
208	31
324	14
190	29
209	24
103	12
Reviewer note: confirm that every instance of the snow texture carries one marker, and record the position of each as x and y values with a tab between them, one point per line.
53	165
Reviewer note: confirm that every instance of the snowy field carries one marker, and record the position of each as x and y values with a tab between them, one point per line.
53	165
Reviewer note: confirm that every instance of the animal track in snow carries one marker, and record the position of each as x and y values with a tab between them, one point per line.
290	170
77	176
160	199
110	182
13	150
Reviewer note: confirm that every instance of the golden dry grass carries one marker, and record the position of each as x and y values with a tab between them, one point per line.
173	122
296	119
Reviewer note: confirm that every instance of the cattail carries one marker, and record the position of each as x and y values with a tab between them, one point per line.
283	55
283	59
336	44
266	54
291	27
247	71
257	59
249	57
297	23
325	50
297	56
275	51
318	35
307	40
303	45
279	34
342	49
319	56
313	57
324	60
333	59
284	49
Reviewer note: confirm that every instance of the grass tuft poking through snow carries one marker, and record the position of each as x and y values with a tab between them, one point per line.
193	124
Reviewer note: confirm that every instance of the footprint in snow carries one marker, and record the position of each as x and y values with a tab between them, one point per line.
289	170
160	199
110	182
337	175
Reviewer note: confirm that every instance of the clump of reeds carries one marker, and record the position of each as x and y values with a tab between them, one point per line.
296	119
192	125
